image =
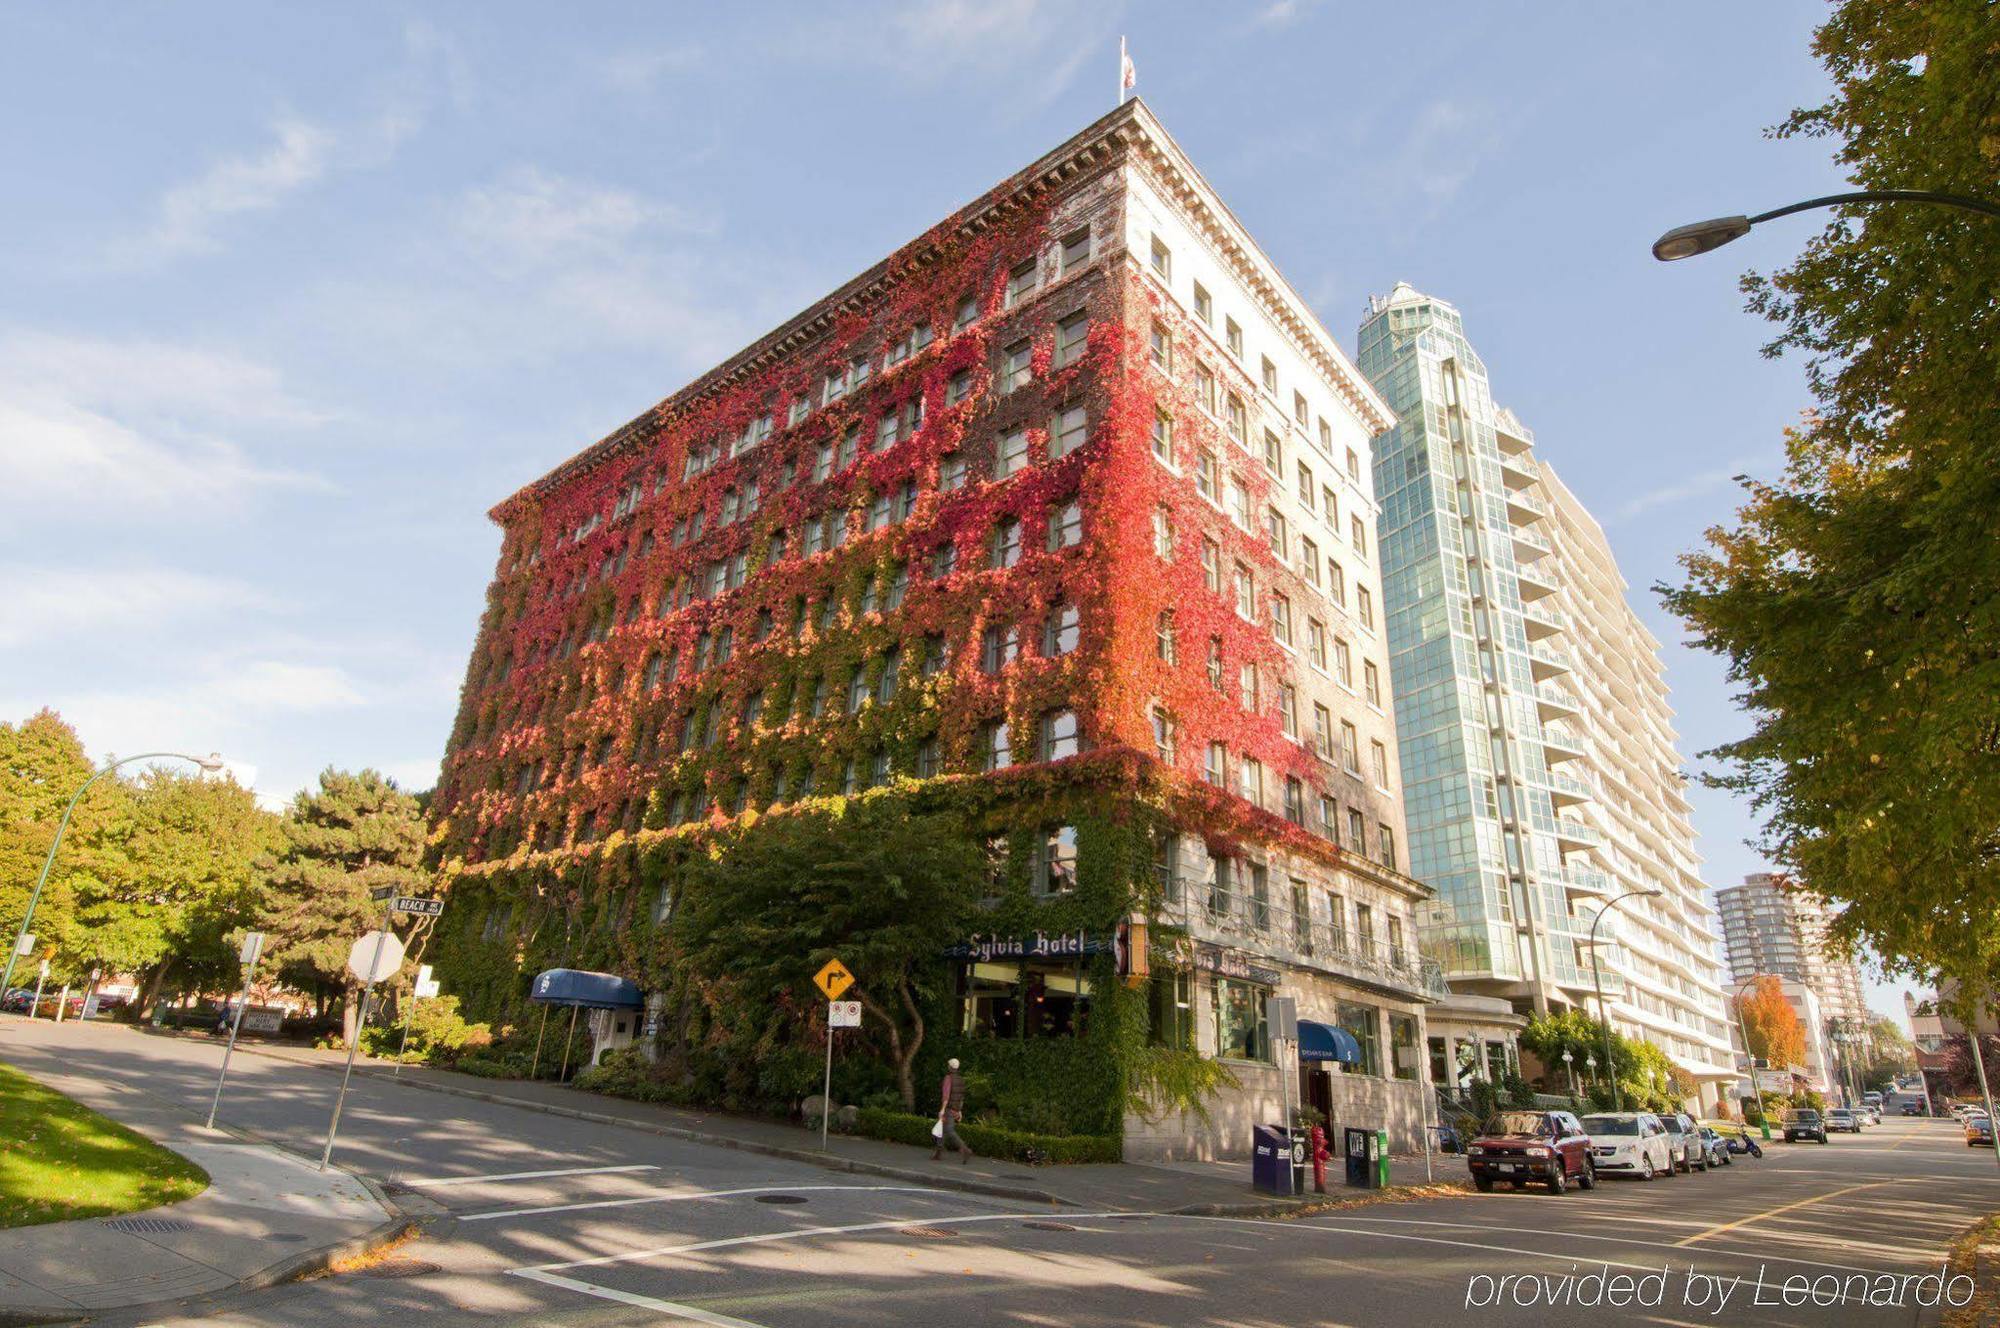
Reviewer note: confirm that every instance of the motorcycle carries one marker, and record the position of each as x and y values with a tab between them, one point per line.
1743	1143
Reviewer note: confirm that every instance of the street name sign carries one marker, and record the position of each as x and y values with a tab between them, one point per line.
382	893
423	908
834	979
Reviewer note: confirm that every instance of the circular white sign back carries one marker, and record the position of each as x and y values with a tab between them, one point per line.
375	956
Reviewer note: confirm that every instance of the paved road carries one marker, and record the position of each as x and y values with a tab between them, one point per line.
552	1221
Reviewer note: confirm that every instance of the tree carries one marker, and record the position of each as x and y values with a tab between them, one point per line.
1960	1077
1857	598
868	883
356	833
1776	1034
42	765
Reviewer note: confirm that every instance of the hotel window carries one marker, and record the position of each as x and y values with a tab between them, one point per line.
857	372
1281	619
1371	683
833	388
1288	709
1163	532
998	648
1306	487
1309	561
878	512
906	500
817	705
1216	768
1240	1031
1246	678
1067	431
1016	366
1065	526
1012	455
1336	582
850	446
1358	531
1072	335
1060	630
1378	757
1204	475
1388	842
958	388
885	432
1274	531
1353	465
934	656
1163	637
1239	502
1075	250
1059	736
944	559
967	315
1295	800
951	471
1211	564
1343	660
899	584
1274	455
1215	664
1360	1021
1403	1051
1162	259
1004	549
927	758
1237	420
1364	607
1350	748
1055	861
892	668
1300	411
996	749
753	709
1163	437
1270	374
1204	387
857	688
1020	283
823	462
801	407
1204	307
1164	736
1160	347
1233	337
1246	594
1323	735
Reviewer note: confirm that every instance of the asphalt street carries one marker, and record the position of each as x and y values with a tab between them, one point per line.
545	1220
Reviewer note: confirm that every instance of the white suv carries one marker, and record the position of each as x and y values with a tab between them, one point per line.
1630	1142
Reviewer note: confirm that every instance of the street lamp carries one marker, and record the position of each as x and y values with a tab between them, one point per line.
1743	1031
1597	979
210	764
1570	1067
1699	237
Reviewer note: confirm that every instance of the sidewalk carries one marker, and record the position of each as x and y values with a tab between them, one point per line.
266	1217
1219	1189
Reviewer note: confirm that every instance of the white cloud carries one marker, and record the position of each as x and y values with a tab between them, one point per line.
49	602
640	71
533	219
135	422
412	776
1033	48
189	214
1666	495
268	684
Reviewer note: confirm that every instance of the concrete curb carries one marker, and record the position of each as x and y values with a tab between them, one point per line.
810	1156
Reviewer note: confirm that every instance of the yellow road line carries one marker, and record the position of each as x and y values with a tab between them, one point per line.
1782	1208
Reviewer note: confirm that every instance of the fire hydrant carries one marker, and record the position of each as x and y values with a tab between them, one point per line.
1319	1157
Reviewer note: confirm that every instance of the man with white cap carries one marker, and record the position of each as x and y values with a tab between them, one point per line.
951	1108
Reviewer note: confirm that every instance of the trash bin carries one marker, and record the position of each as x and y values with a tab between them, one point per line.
1274	1160
1367	1158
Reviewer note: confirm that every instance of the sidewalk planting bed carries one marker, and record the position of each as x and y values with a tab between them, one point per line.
60	1160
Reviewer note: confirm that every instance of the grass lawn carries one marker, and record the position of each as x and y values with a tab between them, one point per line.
61	1160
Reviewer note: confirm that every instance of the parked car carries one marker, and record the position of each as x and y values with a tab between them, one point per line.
18	1000
1634	1142
1872	1115
1841	1120
1979	1131
1523	1146
1804	1123
1712	1141
1913	1108
1687	1148
1871	1099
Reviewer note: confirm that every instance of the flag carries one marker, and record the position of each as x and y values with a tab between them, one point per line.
1128	74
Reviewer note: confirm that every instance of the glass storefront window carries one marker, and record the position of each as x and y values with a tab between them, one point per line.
1496	1062
991	1009
1024	1000
1240	1031
1403	1046
1170	1010
1362	1021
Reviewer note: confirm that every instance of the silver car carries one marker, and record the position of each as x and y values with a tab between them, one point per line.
1684	1142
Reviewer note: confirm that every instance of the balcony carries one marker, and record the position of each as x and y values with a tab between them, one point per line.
1543	621
1586	880
1273	931
1553	702
1523	508
1518	470
1528	547
1561	745
1546	662
1568	791
1514	437
1574	836
1534	584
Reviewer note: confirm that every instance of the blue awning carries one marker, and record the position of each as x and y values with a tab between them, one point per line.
592	991
1327	1042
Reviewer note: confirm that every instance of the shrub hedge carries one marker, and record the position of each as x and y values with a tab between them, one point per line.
992	1141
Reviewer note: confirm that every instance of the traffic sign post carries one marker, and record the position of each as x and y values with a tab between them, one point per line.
253	946
424	980
833	979
1281	1021
380	960
40	978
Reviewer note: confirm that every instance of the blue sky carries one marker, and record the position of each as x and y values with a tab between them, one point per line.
289	297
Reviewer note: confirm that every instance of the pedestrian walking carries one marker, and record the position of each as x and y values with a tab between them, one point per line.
951	1109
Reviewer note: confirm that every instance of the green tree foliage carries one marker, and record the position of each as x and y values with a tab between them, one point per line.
880	889
1857	598
1647	1076
352	834
42	765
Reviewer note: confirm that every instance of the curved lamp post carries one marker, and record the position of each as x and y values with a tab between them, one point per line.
1699	237
1597	980
210	764
1743	1031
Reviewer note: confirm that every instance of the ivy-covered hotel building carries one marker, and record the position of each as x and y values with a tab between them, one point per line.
1061	516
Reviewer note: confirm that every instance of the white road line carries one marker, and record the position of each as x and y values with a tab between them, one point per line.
630	1298
1423	1240
436	1181
496	1213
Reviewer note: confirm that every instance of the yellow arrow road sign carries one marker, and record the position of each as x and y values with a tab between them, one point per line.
833	979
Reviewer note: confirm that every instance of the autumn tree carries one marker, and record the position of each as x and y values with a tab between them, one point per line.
351	835
42	765
1856	597
1775	1033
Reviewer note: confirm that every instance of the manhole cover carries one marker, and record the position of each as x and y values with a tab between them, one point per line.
931	1233
400	1268
136	1225
781	1198
1048	1226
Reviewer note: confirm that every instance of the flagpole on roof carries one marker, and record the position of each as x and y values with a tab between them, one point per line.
1122	61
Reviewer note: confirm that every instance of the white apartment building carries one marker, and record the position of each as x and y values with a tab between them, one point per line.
1770	927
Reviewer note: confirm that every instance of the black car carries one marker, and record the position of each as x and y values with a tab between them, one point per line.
1803	1123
